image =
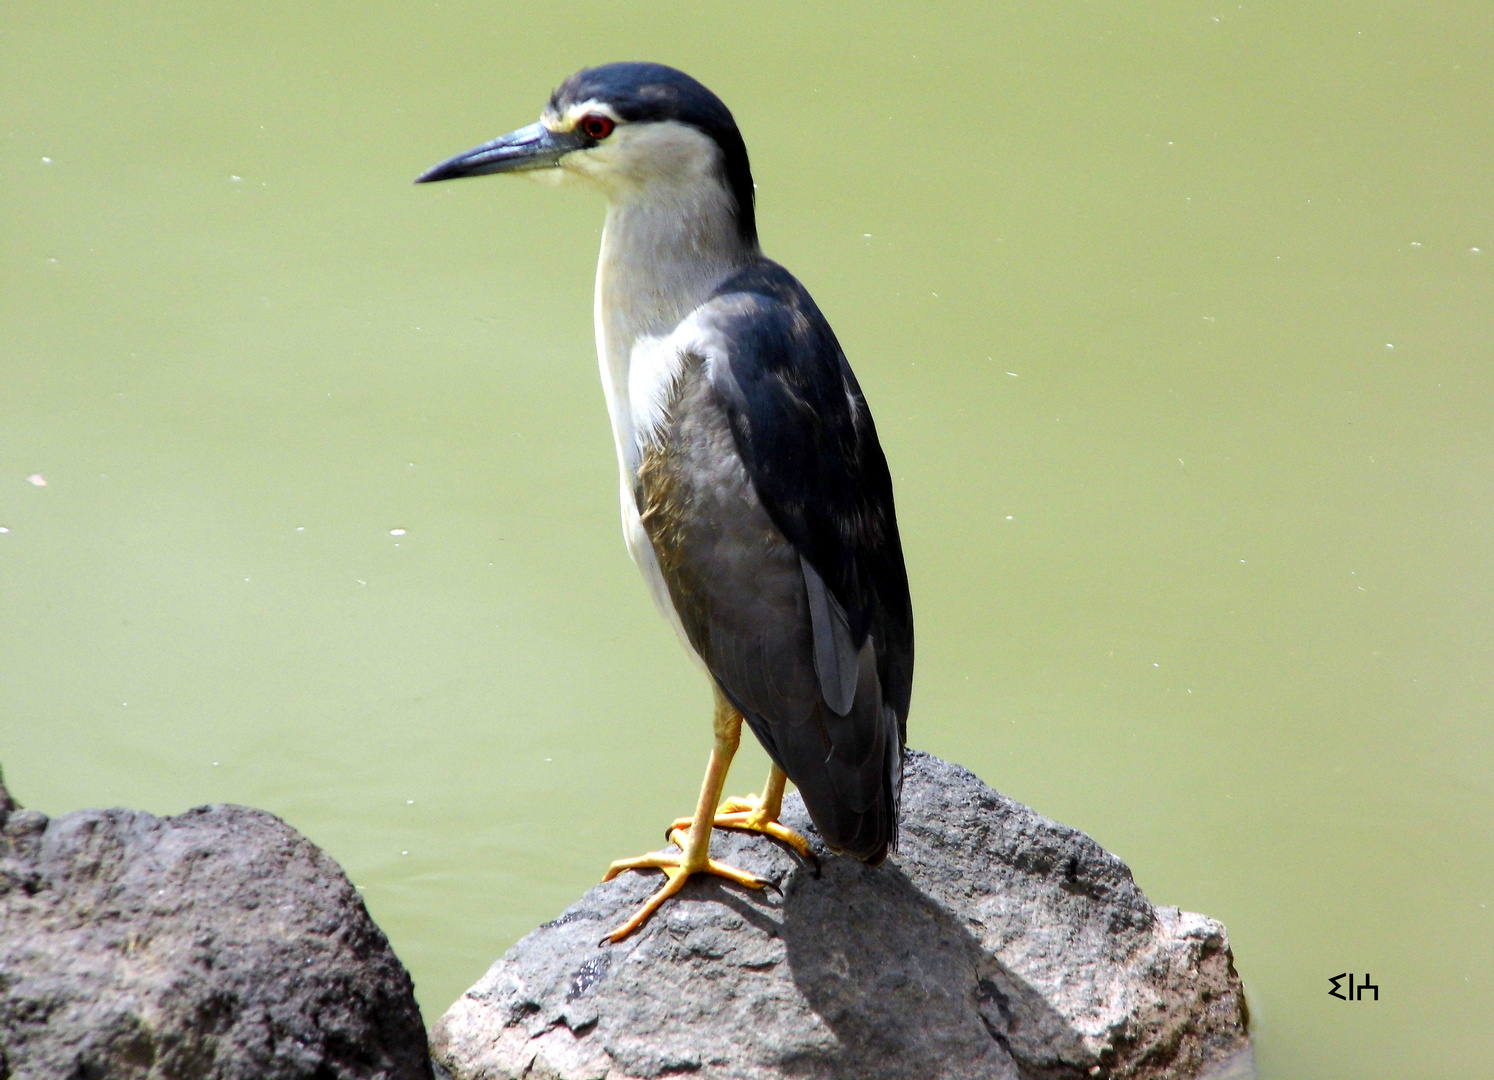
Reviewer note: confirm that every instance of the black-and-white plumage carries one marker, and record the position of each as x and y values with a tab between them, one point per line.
755	496
769	444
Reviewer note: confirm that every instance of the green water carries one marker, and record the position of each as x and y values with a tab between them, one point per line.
1176	335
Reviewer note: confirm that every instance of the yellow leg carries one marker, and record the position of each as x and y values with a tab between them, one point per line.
757	814
695	845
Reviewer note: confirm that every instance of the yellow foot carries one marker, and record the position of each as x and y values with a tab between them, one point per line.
677	872
751	815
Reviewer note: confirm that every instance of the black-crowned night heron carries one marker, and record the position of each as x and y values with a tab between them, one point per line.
755	497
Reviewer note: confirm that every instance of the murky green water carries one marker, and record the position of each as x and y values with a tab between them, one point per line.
1176	319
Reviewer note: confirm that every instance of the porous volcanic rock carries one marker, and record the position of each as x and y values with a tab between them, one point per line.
218	944
995	943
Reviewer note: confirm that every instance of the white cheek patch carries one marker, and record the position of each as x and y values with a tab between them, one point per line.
664	151
593	164
556	176
589	167
637	156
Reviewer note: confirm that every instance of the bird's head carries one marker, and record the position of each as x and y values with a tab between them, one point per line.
629	130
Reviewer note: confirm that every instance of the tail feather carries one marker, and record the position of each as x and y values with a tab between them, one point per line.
864	826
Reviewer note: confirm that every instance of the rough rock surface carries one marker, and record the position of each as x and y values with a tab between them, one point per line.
995	943
216	944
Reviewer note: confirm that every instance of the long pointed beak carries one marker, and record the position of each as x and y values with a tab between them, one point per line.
532	147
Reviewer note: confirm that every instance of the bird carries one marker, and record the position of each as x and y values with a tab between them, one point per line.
756	499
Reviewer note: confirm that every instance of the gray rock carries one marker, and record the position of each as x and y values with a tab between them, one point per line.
995	943
219	943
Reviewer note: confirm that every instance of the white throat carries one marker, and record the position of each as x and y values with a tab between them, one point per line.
665	248
671	237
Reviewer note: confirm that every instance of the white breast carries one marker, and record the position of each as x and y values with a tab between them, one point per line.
662	255
653	369
642	550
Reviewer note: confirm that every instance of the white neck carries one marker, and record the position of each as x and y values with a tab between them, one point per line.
664	250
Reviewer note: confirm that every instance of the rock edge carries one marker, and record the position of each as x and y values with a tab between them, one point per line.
995	943
219	943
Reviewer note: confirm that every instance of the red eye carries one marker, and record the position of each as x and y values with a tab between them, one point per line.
596	126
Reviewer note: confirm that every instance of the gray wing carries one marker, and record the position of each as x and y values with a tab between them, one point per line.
774	633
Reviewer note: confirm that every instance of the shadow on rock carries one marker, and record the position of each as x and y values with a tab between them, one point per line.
996	944
899	980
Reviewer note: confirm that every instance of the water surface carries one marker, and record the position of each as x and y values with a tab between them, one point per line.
1175	319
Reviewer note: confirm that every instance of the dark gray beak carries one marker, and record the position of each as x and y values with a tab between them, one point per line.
532	147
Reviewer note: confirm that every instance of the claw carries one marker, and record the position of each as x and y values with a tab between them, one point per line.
748	814
693	835
677	872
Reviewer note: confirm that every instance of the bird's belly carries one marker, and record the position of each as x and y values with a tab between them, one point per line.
641	548
733	580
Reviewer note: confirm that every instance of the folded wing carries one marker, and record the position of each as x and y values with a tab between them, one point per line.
770	505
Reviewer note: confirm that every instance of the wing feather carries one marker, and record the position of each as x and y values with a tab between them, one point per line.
836	660
806	439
